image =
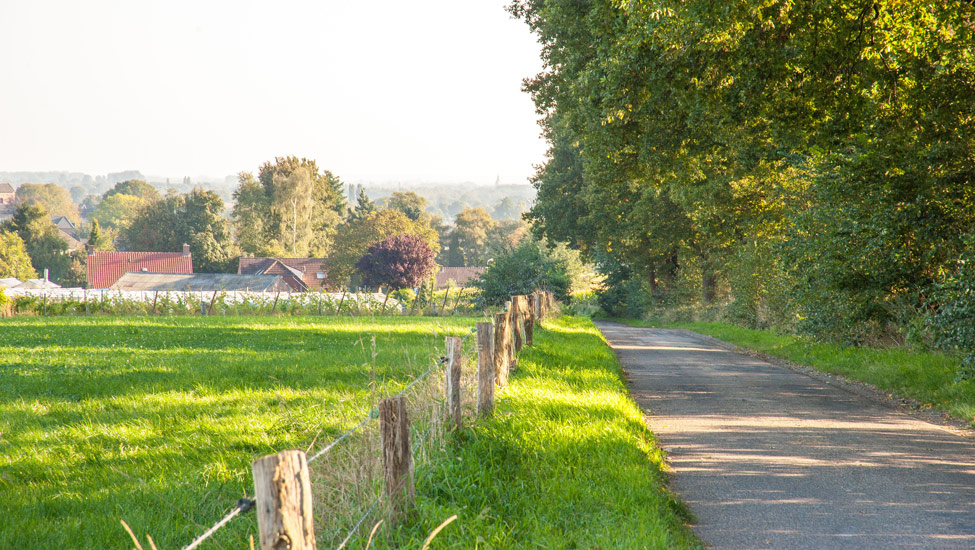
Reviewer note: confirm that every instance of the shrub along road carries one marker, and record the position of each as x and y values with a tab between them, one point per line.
769	458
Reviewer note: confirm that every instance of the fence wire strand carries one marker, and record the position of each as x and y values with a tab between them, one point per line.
243	505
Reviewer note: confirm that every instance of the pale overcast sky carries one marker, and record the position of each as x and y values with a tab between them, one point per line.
377	90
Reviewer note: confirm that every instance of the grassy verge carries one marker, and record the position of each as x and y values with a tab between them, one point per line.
155	420
928	377
566	462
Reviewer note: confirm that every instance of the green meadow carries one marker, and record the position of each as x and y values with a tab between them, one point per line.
155	420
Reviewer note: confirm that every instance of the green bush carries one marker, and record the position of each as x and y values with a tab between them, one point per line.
527	268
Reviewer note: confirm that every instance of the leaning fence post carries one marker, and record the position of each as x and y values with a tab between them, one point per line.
282	489
394	430
529	319
452	385
486	361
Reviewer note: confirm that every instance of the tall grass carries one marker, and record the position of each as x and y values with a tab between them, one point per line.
565	462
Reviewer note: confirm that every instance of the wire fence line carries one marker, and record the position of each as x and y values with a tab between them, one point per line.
344	483
243	505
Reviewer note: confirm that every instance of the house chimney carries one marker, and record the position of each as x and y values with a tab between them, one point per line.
186	249
45	274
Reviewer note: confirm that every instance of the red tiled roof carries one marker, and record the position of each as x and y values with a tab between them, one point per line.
461	276
105	268
296	271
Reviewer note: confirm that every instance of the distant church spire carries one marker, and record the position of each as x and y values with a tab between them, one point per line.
497	180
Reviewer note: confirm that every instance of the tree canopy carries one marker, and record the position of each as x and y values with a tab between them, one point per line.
814	158
400	261
54	198
290	208
14	261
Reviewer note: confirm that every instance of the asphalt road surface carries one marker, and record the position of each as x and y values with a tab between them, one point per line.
767	457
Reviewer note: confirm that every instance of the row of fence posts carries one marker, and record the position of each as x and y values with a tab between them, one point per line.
282	484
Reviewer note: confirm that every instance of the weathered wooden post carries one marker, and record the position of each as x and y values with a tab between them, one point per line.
501	356
538	307
517	319
452	385
394	430
530	319
282	489
486	361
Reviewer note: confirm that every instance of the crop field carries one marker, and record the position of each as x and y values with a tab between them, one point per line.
155	420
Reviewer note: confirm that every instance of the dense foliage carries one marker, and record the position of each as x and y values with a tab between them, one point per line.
290	209
809	163
14	261
196	219
400	261
523	270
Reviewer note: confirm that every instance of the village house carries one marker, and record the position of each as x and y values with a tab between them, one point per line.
106	268
301	274
461	276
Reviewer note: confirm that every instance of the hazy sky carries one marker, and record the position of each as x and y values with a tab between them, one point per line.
377	90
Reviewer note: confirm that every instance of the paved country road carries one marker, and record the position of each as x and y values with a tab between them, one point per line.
770	458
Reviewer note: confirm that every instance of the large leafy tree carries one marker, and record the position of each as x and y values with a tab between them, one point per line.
54	198
473	231
135	188
195	218
42	242
291	208
400	261
14	261
408	203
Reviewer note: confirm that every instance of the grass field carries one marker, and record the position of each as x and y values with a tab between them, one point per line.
155	420
928	377
565	463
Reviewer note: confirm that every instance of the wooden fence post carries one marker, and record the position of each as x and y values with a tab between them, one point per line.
394	430
538	306
530	319
517	319
501	363
486	361
282	489
452	385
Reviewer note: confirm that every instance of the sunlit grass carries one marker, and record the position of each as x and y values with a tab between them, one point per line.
928	377
155	420
566	461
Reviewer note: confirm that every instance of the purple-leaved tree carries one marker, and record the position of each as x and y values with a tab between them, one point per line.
400	261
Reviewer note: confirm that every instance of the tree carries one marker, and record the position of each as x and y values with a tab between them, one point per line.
290	208
118	211
407	202
42	241
54	198
400	261
474	229
354	239
195	218
364	207
14	261
135	188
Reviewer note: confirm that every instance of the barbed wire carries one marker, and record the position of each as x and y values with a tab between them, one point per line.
355	528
